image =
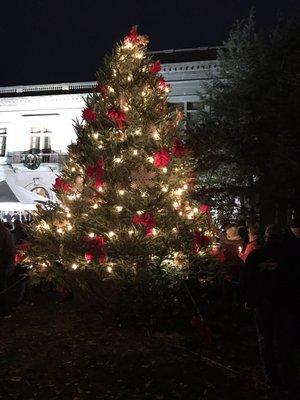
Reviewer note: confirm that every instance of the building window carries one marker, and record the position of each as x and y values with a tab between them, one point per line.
2	142
40	140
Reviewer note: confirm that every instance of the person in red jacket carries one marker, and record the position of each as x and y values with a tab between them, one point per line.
255	242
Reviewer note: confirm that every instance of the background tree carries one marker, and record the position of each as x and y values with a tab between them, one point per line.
248	132
124	206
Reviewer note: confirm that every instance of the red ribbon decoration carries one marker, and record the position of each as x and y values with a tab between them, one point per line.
162	85
89	115
60	184
179	149
200	241
161	158
133	35
155	67
96	172
95	247
117	116
204	209
147	220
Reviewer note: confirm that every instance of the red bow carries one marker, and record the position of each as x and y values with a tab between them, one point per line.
162	85
200	241
161	158
133	35
146	220
179	149
60	184
204	209
117	116
155	67
95	247
102	89
95	171
89	114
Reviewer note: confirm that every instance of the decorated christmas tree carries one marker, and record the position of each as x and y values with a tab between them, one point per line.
123	195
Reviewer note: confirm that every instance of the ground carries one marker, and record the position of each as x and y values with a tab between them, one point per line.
50	350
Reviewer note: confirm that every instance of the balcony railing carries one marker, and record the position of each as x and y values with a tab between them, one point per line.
18	157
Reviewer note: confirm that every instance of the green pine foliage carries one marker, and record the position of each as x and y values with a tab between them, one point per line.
123	196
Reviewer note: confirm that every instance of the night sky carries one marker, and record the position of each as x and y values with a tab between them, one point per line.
45	41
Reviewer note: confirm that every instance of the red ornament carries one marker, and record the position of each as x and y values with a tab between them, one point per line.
60	184
117	116
89	256
133	36
200	241
162	85
204	209
162	158
102	89
179	149
155	67
204	330
98	184
89	115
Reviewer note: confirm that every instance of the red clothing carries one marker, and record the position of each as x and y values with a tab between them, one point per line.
253	245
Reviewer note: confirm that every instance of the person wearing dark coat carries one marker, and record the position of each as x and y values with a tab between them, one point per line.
266	287
19	233
7	254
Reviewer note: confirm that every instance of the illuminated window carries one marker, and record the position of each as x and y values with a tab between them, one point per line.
2	141
40	140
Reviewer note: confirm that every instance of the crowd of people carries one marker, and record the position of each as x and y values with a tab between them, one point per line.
267	269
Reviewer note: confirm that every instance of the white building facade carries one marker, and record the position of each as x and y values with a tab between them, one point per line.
38	119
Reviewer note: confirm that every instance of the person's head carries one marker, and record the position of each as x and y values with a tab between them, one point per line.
273	234
17	223
253	231
232	233
295	226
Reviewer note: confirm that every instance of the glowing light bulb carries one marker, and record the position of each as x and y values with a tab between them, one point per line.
154	232
180	213
156	136
138	132
143	194
95	206
59	230
195	209
185	187
129	78
121	192
69	215
175	204
91	234
165	170
109	269
95	135
74	266
118	160
100	146
73	169
143	94
135	152
164	189
139	212
70	227
128	45
174	229
111	234
130	232
119	208
178	192
111	89
150	159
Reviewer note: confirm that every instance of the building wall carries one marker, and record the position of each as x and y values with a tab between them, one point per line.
27	109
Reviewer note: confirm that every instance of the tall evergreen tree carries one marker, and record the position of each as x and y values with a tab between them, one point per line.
251	130
124	192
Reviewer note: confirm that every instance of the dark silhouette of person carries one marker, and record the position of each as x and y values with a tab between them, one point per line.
266	286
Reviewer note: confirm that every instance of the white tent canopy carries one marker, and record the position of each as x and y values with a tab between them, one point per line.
15	198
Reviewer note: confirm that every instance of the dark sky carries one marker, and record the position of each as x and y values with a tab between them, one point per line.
45	41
